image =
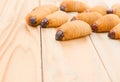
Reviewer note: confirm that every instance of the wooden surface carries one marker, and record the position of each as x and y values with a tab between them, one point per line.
20	59
33	55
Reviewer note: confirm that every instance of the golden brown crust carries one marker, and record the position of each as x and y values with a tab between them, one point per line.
89	17
73	6
74	29
116	9
56	19
116	31
107	22
37	14
102	9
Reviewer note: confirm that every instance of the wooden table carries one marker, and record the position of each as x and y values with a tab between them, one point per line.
33	55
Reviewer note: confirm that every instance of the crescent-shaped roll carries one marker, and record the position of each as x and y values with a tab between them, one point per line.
73	6
73	29
55	19
35	17
105	23
89	17
115	32
102	9
116	9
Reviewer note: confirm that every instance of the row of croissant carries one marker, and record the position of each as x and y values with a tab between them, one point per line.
97	19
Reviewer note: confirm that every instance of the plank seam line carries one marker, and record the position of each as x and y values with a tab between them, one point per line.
101	60
41	54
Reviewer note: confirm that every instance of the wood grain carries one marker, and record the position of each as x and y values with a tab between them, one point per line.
70	61
2	5
94	58
109	52
20	59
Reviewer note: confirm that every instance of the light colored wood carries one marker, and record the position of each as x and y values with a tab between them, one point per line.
70	61
88	59
109	51
20	58
2	5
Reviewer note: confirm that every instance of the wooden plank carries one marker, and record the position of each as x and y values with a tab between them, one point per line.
108	50
70	61
2	5
20	59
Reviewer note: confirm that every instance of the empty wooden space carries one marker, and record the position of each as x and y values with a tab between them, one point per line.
30	54
20	59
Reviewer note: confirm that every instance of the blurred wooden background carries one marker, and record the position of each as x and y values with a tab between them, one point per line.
33	55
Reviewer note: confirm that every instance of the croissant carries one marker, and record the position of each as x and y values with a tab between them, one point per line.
35	17
102	9
116	9
105	23
89	17
115	32
73	6
55	19
72	29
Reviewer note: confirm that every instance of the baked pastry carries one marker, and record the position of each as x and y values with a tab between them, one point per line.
73	29
35	17
73	6
98	8
89	17
55	19
115	9
105	23
115	32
